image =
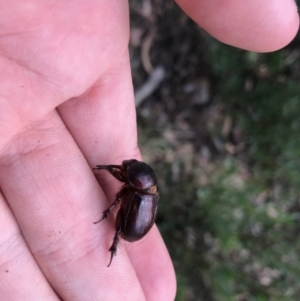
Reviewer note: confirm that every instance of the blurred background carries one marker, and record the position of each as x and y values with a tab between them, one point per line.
221	127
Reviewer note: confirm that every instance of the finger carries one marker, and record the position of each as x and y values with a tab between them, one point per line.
254	25
21	278
103	123
153	267
54	196
52	51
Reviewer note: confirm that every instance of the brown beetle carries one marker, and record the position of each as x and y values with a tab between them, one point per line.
138	197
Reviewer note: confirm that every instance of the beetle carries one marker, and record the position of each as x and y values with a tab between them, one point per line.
138	197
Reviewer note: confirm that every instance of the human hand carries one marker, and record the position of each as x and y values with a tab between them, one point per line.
66	105
254	25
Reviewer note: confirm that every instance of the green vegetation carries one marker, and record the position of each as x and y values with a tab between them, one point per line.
230	181
222	132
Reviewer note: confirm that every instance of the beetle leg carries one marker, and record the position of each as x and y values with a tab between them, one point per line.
110	208
113	248
115	170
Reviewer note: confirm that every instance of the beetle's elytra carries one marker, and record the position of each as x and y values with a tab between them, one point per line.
138	198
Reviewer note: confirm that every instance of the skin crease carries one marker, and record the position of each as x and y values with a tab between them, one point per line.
67	104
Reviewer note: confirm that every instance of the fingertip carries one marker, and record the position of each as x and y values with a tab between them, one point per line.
282	35
252	25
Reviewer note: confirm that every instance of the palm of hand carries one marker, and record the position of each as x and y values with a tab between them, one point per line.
65	84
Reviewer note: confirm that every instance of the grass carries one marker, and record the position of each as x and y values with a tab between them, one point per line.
228	167
231	221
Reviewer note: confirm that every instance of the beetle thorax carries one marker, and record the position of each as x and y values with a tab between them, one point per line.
141	176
